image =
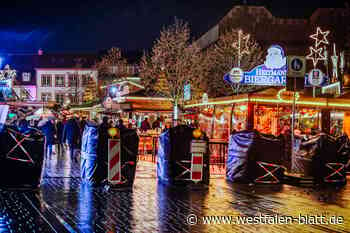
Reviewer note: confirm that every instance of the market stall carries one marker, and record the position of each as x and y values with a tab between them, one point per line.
268	111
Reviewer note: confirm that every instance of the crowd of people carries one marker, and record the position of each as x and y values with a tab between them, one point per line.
66	133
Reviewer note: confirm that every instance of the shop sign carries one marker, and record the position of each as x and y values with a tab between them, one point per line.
316	78
296	66
236	75
272	73
198	146
187	91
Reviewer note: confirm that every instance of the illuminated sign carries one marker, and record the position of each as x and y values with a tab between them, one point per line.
316	78
236	75
116	92
333	89
272	73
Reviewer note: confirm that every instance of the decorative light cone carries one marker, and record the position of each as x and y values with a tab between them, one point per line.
114	132
346	80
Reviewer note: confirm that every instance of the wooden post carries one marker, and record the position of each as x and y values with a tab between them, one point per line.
212	123
250	117
326	121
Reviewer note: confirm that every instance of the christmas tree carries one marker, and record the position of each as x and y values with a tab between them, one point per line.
90	92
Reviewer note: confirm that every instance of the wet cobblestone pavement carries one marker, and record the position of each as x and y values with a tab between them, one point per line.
63	204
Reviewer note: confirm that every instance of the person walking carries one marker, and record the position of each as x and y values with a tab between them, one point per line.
71	136
48	128
121	125
59	136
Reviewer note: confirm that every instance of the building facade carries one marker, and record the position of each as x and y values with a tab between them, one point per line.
291	33
66	85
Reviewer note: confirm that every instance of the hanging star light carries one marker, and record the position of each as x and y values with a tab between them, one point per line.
316	55
316	37
238	45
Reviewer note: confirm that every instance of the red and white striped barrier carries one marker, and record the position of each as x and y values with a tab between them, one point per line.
198	149
114	168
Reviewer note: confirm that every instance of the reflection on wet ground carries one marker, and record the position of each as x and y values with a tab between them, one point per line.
64	204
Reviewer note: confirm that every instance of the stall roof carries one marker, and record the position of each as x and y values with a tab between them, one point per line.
275	95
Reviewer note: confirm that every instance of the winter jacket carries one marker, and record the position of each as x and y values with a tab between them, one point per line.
59	131
48	130
71	132
89	142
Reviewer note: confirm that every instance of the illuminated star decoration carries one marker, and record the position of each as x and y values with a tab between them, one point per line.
315	55
316	37
238	45
316	52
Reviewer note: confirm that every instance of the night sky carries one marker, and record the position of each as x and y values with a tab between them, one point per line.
91	26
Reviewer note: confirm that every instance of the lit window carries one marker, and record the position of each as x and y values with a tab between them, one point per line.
25	76
73	80
46	80
60	98
59	81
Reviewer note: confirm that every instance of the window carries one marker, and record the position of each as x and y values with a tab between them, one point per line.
73	80
85	79
45	97
113	69
46	80
60	98
59	81
26	77
74	99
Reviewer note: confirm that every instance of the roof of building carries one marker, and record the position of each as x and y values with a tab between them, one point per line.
28	62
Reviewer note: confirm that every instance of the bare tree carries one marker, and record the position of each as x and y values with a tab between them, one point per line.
173	62
222	56
112	66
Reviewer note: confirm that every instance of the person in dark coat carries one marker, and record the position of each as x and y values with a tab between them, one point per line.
48	129
59	135
89	150
23	127
71	136
145	125
120	124
156	123
82	125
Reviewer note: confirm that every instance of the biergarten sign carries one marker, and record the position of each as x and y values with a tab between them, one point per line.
272	73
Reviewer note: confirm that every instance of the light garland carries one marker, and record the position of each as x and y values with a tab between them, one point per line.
279	93
315	37
237	45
